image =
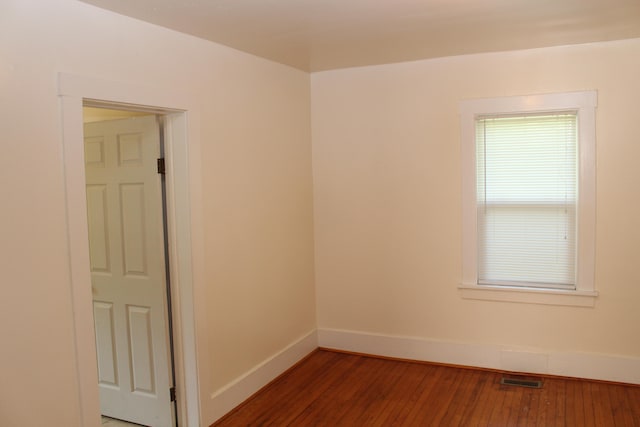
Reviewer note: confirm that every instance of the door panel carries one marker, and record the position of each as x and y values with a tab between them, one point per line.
141	350
133	229
106	342
98	228
124	208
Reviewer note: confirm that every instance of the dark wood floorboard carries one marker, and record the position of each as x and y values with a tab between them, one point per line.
337	389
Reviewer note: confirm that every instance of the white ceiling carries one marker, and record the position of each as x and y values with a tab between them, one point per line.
315	35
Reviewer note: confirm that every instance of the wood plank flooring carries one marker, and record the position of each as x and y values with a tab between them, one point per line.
337	389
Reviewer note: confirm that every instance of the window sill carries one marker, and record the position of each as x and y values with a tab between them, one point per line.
529	295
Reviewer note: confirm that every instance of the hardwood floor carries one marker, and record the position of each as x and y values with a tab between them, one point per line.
337	389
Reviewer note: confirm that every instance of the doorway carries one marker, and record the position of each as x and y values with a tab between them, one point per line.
128	255
181	111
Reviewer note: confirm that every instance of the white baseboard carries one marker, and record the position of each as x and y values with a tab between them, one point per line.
570	364
228	397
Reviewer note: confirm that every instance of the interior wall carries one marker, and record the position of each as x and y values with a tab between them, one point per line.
256	201
387	199
91	114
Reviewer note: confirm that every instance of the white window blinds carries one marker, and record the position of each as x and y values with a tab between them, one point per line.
526	200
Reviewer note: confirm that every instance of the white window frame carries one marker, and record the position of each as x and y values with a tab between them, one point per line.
584	103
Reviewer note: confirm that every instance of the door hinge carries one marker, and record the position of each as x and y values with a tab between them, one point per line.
172	394
161	169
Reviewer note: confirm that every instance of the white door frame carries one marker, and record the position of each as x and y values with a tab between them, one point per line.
184	236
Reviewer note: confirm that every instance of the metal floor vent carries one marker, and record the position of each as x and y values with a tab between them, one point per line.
521	382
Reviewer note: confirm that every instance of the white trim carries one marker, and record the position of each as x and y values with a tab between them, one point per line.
529	295
78	252
185	241
595	366
529	103
585	103
134	94
236	392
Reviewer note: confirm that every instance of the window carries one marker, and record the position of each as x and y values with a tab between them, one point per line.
529	198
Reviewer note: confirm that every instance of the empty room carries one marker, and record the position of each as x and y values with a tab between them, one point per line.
310	212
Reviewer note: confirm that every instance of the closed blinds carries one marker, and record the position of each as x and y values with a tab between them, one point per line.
527	199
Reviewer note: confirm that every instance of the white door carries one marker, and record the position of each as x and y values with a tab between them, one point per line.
126	244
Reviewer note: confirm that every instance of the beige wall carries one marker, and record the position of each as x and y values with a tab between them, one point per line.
90	114
387	199
256	195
